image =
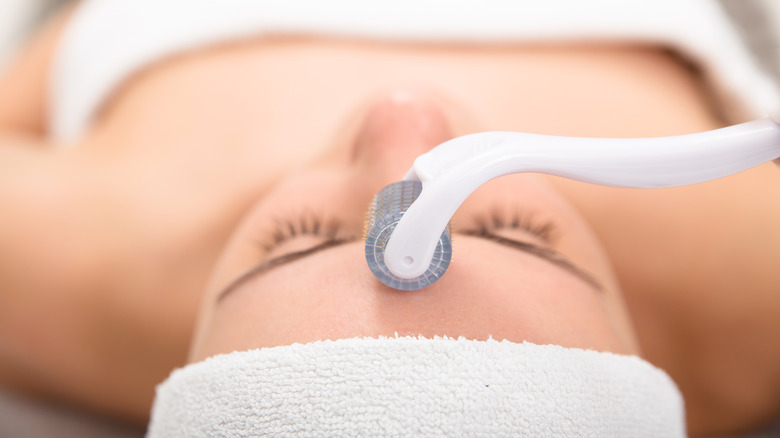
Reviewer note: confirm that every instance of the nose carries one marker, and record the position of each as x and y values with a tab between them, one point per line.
397	129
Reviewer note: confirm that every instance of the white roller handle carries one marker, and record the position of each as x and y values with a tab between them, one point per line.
453	170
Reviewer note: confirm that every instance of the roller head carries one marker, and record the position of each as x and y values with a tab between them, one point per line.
387	208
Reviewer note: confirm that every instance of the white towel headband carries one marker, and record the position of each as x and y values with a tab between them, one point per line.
418	387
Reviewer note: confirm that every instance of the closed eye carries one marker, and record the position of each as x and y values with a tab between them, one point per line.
547	254
305	224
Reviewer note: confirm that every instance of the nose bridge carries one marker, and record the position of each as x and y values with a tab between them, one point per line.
395	131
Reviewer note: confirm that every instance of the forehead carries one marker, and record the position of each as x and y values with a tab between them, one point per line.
489	291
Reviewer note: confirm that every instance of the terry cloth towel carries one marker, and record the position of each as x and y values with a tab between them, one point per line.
108	41
394	387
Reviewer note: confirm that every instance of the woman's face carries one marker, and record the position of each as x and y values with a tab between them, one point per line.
295	270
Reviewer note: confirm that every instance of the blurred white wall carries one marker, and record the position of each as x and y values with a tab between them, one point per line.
774	7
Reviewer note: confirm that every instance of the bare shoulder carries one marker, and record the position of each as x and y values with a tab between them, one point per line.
23	84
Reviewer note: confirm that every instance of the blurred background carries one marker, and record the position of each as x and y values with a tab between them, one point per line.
759	25
18	18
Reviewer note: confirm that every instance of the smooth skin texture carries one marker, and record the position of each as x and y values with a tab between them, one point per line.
111	243
490	290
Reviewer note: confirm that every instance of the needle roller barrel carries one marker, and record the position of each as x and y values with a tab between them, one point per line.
417	211
386	210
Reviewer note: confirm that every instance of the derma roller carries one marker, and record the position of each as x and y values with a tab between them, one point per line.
408	240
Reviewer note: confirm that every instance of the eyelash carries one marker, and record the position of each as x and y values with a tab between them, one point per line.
303	225
310	224
496	220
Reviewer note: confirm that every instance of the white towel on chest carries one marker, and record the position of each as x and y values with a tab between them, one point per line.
418	387
107	41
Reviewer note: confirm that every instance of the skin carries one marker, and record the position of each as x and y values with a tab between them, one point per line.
490	289
112	243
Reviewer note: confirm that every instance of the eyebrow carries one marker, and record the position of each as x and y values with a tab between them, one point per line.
267	265
543	253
